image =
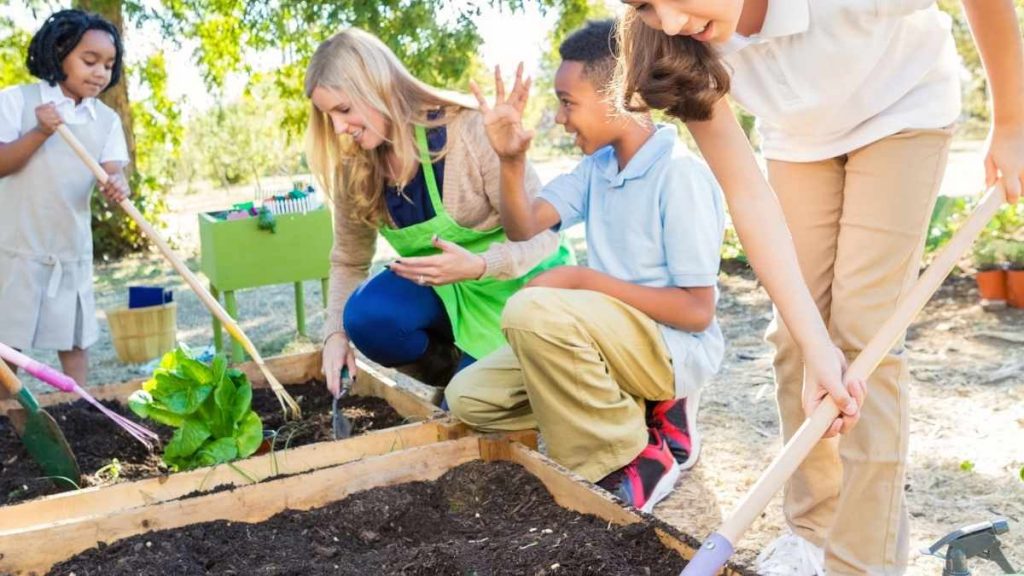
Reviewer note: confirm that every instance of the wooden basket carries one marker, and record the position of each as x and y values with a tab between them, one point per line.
141	334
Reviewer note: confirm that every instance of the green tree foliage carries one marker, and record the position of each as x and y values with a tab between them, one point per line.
12	54
436	39
240	141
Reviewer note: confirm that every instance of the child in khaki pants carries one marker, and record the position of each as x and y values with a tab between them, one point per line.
854	102
606	361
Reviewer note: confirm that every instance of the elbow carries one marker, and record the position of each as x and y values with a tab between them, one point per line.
704	321
699	319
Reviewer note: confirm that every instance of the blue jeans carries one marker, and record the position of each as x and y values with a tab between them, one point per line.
392	320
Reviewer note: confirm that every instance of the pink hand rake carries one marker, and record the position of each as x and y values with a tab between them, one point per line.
65	383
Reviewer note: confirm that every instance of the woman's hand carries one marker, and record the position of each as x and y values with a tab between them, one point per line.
338	353
1005	159
47	118
116	188
453	264
823	376
504	121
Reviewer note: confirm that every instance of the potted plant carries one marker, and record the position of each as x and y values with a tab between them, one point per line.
1015	274
990	275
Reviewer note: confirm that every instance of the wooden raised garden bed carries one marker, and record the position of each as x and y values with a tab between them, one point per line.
473	520
293	371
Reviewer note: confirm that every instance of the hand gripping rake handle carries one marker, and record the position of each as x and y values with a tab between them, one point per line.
287	402
718	547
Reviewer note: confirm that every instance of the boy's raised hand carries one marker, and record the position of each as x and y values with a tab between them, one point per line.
504	120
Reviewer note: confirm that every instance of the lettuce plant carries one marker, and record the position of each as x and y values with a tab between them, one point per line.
211	407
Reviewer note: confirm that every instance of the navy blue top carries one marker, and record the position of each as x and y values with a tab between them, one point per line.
415	207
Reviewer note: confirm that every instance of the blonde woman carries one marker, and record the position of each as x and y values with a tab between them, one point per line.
412	163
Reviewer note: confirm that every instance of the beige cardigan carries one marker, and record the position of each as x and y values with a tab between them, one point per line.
471	196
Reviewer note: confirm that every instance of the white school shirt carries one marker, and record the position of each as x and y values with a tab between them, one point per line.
825	77
12	104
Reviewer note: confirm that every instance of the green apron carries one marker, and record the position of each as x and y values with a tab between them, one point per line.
473	306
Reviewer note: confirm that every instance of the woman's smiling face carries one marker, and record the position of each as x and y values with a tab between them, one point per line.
703	20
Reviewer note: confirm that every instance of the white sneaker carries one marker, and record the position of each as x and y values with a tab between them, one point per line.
791	555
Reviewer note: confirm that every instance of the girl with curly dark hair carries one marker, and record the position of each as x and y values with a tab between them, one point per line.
46	296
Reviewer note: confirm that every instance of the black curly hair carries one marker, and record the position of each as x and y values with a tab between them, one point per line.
596	46
59	35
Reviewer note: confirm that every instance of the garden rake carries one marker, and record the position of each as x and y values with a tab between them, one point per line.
288	404
718	547
40	434
65	383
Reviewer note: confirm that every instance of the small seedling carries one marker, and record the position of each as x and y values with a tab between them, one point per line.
110	473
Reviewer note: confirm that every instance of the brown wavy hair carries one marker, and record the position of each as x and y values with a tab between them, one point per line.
677	74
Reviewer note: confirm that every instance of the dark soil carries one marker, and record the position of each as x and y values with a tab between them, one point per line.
365	412
96	440
481	519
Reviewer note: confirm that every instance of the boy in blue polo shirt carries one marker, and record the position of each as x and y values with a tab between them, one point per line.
606	360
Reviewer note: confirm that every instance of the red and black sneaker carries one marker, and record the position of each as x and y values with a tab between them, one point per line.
676	422
648	479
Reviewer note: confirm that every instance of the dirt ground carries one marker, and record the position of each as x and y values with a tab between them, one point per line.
967	414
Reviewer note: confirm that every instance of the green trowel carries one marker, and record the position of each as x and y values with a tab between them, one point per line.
39	433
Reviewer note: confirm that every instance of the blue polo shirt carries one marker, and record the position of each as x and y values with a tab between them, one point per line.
659	222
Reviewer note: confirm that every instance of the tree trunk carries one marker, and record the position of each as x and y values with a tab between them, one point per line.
116	97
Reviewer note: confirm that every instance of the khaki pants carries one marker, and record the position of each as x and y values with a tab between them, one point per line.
578	366
858	222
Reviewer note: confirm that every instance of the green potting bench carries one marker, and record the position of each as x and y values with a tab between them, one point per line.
235	255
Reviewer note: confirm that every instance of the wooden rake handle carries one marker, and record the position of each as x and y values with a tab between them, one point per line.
800	445
204	295
9	380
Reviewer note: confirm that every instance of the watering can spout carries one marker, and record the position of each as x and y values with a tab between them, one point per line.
710	557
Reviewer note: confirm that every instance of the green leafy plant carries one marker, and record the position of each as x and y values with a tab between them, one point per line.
211	407
1015	255
987	256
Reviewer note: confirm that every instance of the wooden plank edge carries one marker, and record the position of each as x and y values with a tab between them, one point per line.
573	492
22	552
88	502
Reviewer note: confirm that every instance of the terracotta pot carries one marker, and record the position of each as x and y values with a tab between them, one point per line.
991	284
1015	288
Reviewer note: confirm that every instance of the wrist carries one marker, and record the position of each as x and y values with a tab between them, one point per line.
336	333
481	268
42	131
513	161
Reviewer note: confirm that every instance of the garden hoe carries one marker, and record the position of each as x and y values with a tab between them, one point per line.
288	404
40	434
718	547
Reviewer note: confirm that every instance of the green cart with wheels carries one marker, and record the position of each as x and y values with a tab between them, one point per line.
236	254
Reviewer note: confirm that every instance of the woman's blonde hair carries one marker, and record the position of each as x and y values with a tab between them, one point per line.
677	74
362	66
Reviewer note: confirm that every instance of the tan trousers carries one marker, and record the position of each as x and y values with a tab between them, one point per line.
578	366
858	222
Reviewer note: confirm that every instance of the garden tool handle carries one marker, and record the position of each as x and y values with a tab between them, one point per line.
204	295
718	547
9	380
58	380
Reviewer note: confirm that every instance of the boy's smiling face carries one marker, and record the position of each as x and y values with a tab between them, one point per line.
583	109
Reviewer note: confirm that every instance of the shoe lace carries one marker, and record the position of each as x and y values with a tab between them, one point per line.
791	555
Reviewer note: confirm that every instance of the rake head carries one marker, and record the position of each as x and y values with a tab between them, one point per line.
291	408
